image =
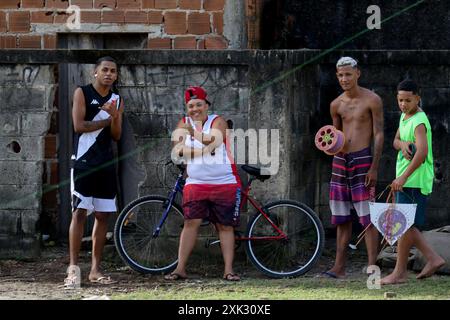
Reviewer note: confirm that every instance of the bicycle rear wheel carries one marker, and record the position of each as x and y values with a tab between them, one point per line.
134	235
291	257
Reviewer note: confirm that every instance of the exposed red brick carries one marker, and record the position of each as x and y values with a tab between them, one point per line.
213	5
199	23
19	21
50	146
83	4
185	43
113	16
54	173
159	43
201	44
91	16
129	4
148	4
105	4
29	42
59	4
33	3
50	41
165	4
217	22
7	42
3	25
155	17
215	43
42	16
9	4
190	4
175	22
61	17
136	17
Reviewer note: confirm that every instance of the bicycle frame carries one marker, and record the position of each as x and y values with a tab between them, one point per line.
178	187
247	198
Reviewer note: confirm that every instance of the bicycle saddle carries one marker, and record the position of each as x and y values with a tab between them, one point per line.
255	172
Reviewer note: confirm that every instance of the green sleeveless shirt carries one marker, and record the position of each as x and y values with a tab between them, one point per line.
423	176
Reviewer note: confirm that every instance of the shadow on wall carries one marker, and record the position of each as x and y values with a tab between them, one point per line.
131	173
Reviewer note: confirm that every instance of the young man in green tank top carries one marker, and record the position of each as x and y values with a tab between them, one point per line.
414	176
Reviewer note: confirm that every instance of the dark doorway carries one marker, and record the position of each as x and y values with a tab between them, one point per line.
71	75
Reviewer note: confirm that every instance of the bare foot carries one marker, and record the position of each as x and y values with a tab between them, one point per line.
430	268
175	276
394	278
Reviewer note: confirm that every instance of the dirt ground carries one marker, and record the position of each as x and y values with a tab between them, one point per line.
42	279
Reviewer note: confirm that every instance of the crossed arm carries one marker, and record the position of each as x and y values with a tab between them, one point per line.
210	141
79	112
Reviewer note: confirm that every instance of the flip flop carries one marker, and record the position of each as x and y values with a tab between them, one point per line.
70	283
103	280
231	277
328	274
174	277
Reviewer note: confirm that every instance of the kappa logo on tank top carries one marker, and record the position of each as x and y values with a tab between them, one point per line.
94	148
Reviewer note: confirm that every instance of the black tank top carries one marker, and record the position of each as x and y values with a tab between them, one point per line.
92	149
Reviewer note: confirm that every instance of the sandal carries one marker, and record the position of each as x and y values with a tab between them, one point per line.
70	283
232	277
329	275
103	280
174	277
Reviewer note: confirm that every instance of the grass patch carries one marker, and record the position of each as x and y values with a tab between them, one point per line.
303	288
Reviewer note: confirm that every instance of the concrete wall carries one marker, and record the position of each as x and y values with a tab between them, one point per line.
285	90
381	71
26	102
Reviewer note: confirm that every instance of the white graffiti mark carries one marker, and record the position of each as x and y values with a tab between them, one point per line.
29	75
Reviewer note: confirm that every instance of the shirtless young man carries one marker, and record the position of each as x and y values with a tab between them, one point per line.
358	112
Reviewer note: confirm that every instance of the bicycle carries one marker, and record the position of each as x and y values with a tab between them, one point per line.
283	239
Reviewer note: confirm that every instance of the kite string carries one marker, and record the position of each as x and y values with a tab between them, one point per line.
389	215
360	236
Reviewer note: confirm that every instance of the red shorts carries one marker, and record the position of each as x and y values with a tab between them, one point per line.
217	203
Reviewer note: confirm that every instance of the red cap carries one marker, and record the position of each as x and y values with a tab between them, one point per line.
195	93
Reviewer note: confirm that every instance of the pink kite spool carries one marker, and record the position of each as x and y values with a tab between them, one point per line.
329	140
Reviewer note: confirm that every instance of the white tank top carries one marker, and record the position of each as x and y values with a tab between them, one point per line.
210	169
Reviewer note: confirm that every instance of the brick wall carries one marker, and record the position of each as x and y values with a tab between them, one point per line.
170	24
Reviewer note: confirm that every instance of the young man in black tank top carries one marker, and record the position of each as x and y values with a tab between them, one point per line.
97	120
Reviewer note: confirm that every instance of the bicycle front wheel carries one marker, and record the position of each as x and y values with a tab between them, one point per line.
294	255
138	244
